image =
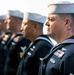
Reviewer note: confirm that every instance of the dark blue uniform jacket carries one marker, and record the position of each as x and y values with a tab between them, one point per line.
15	52
29	64
60	61
3	43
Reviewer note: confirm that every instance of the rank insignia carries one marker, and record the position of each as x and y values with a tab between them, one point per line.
23	48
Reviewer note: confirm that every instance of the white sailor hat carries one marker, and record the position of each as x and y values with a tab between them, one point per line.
35	17
15	13
2	17
61	7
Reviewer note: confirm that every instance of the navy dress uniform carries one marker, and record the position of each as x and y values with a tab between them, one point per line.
3	43
15	52
30	62
4	40
60	60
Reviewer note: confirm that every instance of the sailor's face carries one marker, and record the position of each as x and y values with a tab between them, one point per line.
27	28
10	22
54	25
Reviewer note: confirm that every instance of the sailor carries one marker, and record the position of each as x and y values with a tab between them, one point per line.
60	27
17	45
32	28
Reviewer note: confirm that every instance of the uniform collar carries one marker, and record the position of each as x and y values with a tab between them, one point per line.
44	37
69	40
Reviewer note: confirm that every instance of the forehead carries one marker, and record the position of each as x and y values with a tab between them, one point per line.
27	21
53	15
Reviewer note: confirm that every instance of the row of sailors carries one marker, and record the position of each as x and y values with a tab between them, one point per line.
40	57
22	43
